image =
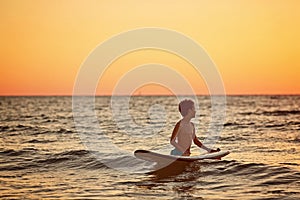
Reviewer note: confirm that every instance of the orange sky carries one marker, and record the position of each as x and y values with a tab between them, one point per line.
254	43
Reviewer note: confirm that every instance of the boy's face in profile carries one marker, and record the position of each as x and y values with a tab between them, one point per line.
192	111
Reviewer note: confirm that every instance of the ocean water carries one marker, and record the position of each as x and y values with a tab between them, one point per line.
44	156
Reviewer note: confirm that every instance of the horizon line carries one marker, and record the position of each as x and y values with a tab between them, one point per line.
143	95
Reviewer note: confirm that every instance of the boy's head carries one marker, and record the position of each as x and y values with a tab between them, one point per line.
184	107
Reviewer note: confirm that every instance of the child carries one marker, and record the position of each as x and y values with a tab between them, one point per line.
184	131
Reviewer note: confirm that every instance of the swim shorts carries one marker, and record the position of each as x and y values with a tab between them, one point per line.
176	152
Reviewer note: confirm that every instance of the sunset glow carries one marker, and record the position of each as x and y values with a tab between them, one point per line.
255	44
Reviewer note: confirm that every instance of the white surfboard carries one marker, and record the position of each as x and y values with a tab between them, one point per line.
157	157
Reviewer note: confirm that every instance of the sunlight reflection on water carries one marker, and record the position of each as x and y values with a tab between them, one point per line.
41	155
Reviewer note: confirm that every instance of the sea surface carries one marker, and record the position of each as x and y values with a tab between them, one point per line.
45	154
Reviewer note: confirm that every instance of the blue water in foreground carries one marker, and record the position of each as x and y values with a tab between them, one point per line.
43	156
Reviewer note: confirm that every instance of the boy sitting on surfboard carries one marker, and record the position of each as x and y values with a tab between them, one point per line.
184	131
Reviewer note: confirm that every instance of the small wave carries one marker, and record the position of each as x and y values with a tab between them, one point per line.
53	160
76	159
244	168
293	123
4	128
247	113
74	152
272	113
23	127
238	125
274	125
260	175
231	124
281	112
50	121
81	159
284	179
231	138
64	156
297	138
11	152
293	164
39	141
18	166
63	130
93	164
27	116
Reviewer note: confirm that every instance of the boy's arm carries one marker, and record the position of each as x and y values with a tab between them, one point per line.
199	144
173	137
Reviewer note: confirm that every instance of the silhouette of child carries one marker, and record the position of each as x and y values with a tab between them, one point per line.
184	131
